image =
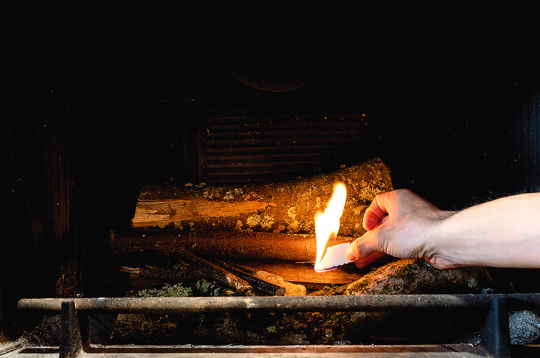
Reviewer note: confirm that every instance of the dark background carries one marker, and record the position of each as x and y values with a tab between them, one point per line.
91	91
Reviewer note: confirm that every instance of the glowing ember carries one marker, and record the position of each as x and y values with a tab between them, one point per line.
326	229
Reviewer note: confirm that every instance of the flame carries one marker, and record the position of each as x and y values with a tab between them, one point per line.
327	224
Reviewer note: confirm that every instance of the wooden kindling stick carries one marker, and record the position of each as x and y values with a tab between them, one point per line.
217	273
246	273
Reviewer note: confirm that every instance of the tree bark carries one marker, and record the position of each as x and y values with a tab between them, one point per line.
286	207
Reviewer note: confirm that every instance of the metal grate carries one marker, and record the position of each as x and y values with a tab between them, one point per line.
258	146
495	334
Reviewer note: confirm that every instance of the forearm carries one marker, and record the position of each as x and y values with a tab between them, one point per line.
500	233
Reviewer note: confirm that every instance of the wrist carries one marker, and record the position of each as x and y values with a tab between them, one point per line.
440	244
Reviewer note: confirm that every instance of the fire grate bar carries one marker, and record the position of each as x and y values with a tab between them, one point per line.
366	303
495	335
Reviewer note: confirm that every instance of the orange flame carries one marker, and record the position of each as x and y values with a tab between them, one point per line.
327	224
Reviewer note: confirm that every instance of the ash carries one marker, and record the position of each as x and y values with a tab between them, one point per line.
524	327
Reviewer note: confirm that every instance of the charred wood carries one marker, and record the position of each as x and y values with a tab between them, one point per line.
180	275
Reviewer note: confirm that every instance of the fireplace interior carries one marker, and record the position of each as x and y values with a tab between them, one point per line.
102	102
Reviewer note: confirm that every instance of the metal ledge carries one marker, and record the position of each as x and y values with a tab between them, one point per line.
438	351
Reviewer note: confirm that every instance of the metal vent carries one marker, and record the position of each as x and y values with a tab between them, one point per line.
241	146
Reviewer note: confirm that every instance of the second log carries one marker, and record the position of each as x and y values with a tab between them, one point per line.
220	244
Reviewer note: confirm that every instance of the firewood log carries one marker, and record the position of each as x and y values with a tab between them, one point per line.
415	276
224	244
286	207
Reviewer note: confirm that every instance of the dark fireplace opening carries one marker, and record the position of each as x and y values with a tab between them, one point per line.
102	103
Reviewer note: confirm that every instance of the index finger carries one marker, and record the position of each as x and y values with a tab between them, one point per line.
376	211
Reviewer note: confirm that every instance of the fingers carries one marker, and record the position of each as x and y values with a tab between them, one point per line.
369	260
376	211
363	251
371	220
361	248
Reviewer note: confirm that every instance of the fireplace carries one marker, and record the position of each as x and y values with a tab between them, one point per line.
102	103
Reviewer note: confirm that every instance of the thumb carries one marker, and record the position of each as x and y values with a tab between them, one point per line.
362	247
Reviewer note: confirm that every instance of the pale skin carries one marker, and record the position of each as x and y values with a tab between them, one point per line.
499	233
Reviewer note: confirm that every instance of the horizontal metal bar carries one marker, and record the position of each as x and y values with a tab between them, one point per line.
285	120
278	304
309	150
387	351
286	143
313	134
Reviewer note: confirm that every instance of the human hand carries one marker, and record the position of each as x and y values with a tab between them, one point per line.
397	224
